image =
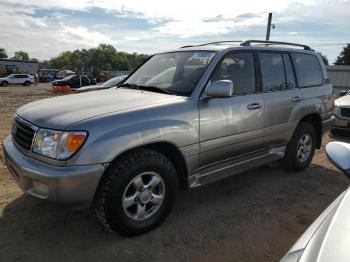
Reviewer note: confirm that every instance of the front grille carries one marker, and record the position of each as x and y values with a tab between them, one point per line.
345	112
22	134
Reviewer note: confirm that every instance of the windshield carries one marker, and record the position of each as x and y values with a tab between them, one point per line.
114	81
68	77
176	73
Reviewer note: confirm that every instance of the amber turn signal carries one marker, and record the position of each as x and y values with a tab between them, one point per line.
74	141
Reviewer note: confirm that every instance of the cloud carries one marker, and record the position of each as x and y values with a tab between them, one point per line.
83	35
46	27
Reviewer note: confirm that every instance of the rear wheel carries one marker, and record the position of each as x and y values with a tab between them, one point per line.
136	193
301	148
4	83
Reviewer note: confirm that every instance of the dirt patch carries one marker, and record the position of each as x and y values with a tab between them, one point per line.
254	216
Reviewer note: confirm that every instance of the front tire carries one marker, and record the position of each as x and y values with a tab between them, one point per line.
4	83
137	193
301	148
27	83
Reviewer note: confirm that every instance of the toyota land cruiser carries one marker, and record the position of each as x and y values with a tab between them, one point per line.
183	119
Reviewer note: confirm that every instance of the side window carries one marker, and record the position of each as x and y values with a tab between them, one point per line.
75	79
272	72
85	80
240	69
290	79
308	69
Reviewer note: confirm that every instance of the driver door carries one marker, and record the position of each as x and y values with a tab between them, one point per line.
231	127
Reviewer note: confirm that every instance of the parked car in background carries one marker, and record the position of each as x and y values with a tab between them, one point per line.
17	79
64	73
73	81
108	84
185	118
328	238
342	113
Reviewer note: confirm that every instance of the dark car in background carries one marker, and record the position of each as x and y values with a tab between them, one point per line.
73	81
108	84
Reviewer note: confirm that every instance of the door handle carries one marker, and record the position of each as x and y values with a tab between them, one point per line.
253	106
296	99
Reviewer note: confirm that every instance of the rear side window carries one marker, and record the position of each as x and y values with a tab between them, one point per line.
85	80
240	69
308	70
290	79
272	72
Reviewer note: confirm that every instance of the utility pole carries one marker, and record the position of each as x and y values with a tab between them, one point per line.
268	27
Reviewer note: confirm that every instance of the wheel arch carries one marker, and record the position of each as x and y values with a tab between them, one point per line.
170	151
315	120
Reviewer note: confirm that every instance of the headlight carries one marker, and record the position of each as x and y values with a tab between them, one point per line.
337	110
57	144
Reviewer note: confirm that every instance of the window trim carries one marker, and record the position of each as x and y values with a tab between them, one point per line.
318	62
219	63
281	53
293	69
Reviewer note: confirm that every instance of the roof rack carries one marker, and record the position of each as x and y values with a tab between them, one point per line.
213	43
267	43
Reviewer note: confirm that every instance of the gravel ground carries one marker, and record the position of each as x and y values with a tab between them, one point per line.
254	216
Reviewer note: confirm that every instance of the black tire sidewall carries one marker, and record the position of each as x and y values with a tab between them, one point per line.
4	83
293	163
113	208
27	83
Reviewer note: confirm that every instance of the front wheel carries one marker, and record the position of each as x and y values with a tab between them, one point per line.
301	148
136	193
27	83
4	83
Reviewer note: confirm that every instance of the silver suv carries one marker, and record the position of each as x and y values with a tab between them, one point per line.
17	79
183	119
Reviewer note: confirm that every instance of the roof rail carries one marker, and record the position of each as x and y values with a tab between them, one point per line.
267	43
213	43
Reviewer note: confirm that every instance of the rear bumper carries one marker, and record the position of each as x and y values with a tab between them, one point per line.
73	186
328	124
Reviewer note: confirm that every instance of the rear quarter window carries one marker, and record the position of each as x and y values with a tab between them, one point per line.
308	70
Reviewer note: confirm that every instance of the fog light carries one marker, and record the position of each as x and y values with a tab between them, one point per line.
40	188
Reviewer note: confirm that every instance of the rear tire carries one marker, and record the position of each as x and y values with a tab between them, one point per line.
125	200
4	83
301	148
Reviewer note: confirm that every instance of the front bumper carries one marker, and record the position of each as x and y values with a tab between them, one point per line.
341	124
73	186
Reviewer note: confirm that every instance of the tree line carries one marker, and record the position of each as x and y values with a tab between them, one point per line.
106	57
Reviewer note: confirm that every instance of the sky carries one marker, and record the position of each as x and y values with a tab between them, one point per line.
44	28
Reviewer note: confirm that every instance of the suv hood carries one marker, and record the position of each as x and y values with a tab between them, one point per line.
343	101
60	112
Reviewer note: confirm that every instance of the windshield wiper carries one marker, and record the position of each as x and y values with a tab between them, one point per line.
148	88
156	89
134	86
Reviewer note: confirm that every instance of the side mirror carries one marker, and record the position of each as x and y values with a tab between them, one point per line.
338	153
343	93
220	88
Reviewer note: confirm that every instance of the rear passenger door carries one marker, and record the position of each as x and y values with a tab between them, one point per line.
316	92
281	96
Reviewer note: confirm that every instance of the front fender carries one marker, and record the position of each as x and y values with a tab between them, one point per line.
107	146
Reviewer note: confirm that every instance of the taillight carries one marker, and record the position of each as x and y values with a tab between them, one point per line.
333	102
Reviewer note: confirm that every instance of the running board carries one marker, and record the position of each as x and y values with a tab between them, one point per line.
234	166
